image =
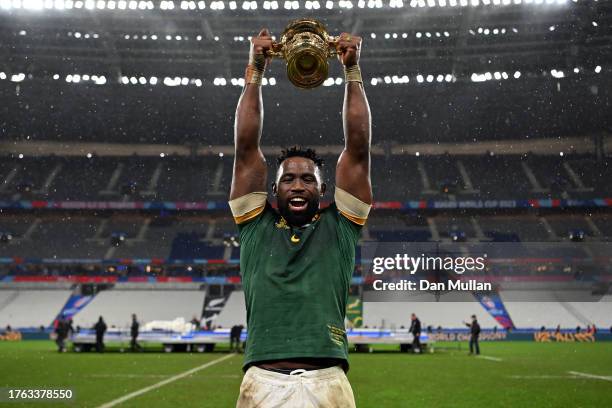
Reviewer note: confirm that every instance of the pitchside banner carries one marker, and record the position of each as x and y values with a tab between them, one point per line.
74	305
469	272
493	304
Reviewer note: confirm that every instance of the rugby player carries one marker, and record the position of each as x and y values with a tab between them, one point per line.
296	262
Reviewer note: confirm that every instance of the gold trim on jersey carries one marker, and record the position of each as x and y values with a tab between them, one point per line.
351	207
248	206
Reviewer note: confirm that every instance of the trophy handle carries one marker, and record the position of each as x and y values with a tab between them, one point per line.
276	51
332	42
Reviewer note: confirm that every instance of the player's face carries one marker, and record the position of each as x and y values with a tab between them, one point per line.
298	189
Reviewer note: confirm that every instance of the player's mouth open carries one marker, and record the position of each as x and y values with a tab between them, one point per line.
298	204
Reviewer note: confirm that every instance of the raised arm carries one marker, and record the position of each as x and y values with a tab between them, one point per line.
353	168
250	171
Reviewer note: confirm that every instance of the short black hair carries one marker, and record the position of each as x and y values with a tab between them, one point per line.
299	151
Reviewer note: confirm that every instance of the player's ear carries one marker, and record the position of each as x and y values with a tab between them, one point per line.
274	189
323	189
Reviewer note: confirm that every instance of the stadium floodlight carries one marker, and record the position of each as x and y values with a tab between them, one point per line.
420	78
125	80
418	35
89	155
551	28
517	75
557	74
373	35
18	77
594	23
576	70
478	77
55	76
417	154
328	82
329	4
598	69
20	155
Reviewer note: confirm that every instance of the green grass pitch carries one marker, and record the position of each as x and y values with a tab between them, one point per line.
519	374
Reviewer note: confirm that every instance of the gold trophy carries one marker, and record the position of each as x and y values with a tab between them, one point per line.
306	46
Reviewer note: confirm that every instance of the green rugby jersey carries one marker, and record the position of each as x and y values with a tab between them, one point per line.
296	283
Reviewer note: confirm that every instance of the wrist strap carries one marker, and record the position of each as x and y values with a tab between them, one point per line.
253	76
352	74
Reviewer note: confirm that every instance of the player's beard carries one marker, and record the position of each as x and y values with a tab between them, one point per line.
297	219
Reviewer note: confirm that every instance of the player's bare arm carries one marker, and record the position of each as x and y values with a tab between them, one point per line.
353	168
250	171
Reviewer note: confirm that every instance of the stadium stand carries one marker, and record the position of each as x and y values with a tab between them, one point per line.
175	178
436	314
31	308
117	306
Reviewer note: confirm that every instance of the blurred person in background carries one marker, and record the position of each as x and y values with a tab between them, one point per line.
474	334
100	329
415	329
134	329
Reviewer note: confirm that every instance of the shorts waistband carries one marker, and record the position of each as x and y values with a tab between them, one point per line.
299	374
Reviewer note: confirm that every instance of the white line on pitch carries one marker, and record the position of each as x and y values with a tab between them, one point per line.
490	358
164	382
593	376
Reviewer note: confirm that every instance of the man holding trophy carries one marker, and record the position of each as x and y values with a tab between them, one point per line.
297	261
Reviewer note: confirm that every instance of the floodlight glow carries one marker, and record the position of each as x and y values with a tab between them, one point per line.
557	74
420	78
598	69
18	77
517	75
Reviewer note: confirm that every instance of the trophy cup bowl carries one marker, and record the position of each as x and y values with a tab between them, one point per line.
305	45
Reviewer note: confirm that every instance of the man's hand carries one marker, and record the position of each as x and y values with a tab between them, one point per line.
349	48
259	46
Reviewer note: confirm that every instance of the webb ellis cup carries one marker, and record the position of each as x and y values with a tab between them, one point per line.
306	46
